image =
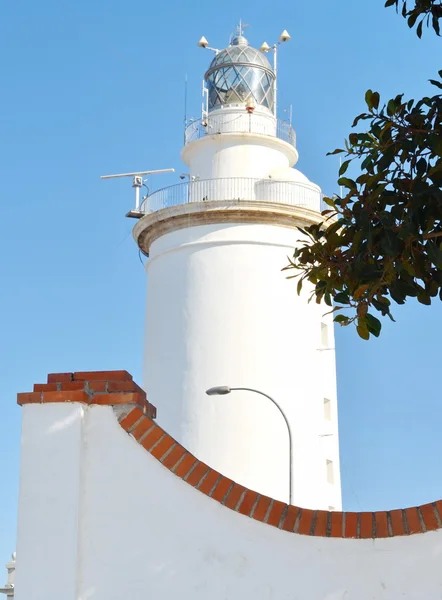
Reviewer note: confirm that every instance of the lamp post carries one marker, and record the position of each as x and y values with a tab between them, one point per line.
222	390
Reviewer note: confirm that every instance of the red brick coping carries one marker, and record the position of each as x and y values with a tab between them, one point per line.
116	388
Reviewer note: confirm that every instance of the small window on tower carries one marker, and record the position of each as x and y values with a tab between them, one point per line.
327	409
330	472
324	334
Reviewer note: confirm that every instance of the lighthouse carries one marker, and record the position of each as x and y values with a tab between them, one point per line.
220	310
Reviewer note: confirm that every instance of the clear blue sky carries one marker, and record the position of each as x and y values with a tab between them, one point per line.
90	88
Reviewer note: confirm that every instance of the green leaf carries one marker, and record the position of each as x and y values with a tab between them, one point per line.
353	139
344	166
419	29
374	326
391	107
337	151
362	329
412	19
299	287
348	183
390	3
375	99
342	298
436	83
341	319
329	201
368	96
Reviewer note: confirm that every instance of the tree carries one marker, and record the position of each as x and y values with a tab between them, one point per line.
382	241
422	11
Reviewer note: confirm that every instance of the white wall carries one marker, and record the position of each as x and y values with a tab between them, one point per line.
49	512
221	312
239	155
143	533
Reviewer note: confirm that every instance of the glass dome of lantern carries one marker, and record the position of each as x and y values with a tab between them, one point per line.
238	73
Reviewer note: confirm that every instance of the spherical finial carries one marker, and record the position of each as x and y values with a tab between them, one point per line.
239	40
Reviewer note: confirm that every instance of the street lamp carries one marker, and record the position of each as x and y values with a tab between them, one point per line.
222	390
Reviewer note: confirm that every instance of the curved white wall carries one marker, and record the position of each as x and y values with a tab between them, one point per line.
101	519
234	155
221	312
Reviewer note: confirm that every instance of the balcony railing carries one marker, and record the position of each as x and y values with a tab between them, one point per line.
235	189
241	124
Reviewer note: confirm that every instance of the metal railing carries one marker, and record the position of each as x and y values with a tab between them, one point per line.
241	124
234	189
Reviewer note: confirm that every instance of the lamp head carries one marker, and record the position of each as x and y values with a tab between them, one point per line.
285	36
265	47
220	390
203	43
250	105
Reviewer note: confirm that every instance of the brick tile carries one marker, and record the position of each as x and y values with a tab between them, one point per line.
45	387
141	428
305	523
351	525
130	419
151	410
112	399
276	513
77	396
96	386
261	508
427	512
290	518
321	523
439	508
414	524
366	520
234	496
124	386
337	519
381	524
397	522
162	447
59	377
152	437
102	375
222	488
29	398
247	502
185	465
196	475
171	460
209	481
71	386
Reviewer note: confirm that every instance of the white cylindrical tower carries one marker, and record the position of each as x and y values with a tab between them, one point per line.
219	309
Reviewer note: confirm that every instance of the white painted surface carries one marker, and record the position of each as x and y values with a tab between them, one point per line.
221	312
49	503
235	155
8	588
143	533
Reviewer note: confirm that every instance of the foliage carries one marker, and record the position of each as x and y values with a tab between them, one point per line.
421	11
382	241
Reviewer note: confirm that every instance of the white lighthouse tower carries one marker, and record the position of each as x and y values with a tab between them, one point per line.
220	312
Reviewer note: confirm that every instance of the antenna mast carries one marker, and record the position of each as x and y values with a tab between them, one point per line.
185	107
137	183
